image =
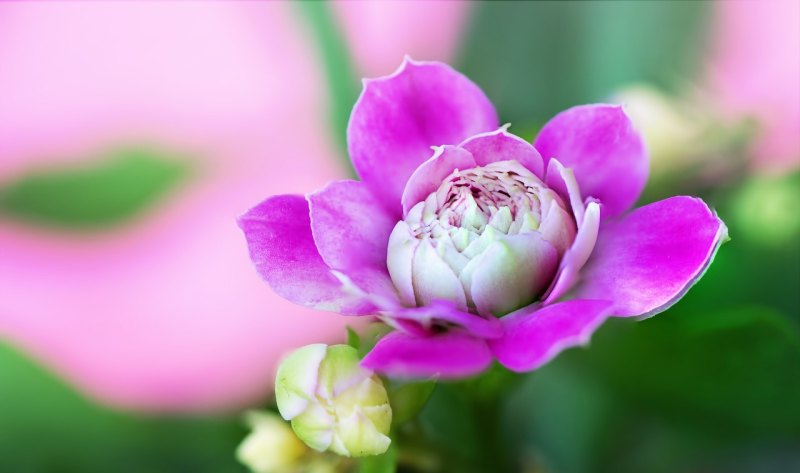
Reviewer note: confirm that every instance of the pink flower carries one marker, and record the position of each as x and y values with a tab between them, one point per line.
754	71
488	226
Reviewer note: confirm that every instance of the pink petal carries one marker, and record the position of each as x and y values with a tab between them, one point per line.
351	231
599	143
278	233
562	180
448	355
534	337
399	117
578	254
430	174
500	145
447	313
646	261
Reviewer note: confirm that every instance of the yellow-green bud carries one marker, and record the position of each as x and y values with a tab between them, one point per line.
333	403
765	210
271	447
673	130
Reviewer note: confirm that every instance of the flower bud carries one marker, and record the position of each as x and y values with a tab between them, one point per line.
489	240
764	210
672	129
333	403
686	134
271	447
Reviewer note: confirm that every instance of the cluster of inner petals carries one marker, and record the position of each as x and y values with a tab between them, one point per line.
483	228
503	196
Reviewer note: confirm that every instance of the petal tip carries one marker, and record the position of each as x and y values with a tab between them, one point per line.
684	256
407	63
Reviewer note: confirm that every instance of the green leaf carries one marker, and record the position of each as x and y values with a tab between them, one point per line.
535	59
370	336
558	417
94	195
49	428
711	391
343	83
740	367
408	399
447	421
708	391
494	382
352	338
746	274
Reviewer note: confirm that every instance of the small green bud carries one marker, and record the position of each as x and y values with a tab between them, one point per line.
333	403
765	210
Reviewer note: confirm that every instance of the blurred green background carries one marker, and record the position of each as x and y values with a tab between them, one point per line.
712	385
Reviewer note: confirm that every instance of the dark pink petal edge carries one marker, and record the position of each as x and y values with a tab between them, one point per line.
280	243
443	312
500	145
427	178
578	254
534	336
648	260
351	232
562	180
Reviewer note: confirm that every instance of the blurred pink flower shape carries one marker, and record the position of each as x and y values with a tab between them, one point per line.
486	247
754	70
166	311
381	33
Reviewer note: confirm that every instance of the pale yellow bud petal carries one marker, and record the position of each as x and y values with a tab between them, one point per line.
271	447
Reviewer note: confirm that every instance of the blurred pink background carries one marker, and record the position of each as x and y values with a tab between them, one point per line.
165	311
750	75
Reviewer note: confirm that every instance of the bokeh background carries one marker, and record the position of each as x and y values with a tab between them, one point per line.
133	329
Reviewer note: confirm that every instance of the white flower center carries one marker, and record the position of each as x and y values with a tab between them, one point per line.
503	195
482	228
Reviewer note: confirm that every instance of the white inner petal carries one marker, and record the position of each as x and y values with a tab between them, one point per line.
455	226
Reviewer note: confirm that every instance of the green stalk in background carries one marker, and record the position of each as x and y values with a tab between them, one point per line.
342	79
